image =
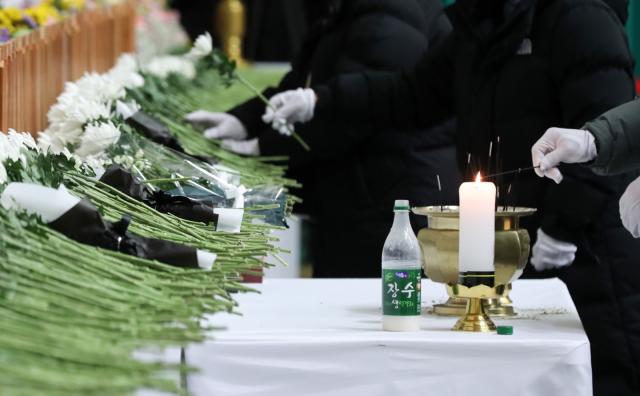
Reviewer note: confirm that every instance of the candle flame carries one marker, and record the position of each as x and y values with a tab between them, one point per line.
478	178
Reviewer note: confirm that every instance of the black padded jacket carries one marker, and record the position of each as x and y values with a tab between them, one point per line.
351	177
510	70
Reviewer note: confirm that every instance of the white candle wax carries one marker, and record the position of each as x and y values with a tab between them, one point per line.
477	226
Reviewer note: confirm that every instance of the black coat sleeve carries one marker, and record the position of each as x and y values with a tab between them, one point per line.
377	50
617	135
420	98
592	69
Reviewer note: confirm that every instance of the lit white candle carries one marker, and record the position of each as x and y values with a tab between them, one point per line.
477	226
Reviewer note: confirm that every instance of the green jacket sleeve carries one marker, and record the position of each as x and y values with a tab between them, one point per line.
617	135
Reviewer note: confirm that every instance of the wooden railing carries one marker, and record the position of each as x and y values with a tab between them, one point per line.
35	67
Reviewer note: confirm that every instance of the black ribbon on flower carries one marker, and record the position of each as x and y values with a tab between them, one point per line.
177	205
120	228
154	129
183	207
83	223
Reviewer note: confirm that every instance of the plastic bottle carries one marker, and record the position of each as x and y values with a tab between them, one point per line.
401	274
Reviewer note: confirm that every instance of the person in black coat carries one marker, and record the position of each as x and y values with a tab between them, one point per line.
351	178
509	70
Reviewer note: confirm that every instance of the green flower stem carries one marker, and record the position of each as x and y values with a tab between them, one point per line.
264	99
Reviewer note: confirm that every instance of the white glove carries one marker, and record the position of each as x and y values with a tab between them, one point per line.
289	107
630	208
249	148
222	125
562	145
550	253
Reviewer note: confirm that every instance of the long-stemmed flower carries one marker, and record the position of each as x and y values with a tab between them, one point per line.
226	68
201	47
163	66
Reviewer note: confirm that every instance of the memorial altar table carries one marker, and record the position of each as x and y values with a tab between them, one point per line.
323	337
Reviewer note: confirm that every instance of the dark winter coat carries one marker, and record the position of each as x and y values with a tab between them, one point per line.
511	69
352	178
617	134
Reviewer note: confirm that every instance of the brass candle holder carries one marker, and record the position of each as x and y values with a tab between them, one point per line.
475	317
439	244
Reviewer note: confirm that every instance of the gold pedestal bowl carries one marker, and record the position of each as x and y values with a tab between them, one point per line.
439	244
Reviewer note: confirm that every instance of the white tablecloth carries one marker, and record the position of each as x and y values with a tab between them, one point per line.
323	337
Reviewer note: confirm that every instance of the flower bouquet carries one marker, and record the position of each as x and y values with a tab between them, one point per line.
73	314
92	120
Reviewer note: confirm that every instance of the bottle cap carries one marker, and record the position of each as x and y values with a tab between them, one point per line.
401	204
505	330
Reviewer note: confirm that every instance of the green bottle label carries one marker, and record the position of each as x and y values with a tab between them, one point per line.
401	292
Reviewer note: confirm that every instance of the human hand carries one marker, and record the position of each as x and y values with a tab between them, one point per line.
551	253
289	107
630	208
562	145
221	125
249	148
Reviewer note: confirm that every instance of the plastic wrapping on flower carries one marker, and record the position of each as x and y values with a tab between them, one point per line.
178	174
177	171
268	196
177	205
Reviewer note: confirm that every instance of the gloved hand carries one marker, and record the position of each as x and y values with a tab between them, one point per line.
222	125
562	145
249	148
630	208
550	253
287	108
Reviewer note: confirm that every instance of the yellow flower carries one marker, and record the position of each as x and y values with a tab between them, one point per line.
43	14
13	13
5	22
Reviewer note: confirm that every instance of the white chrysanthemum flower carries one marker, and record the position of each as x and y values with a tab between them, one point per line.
46	142
22	139
163	66
49	143
12	147
70	114
99	87
125	72
3	174
201	48
9	149
78	109
97	137
59	135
